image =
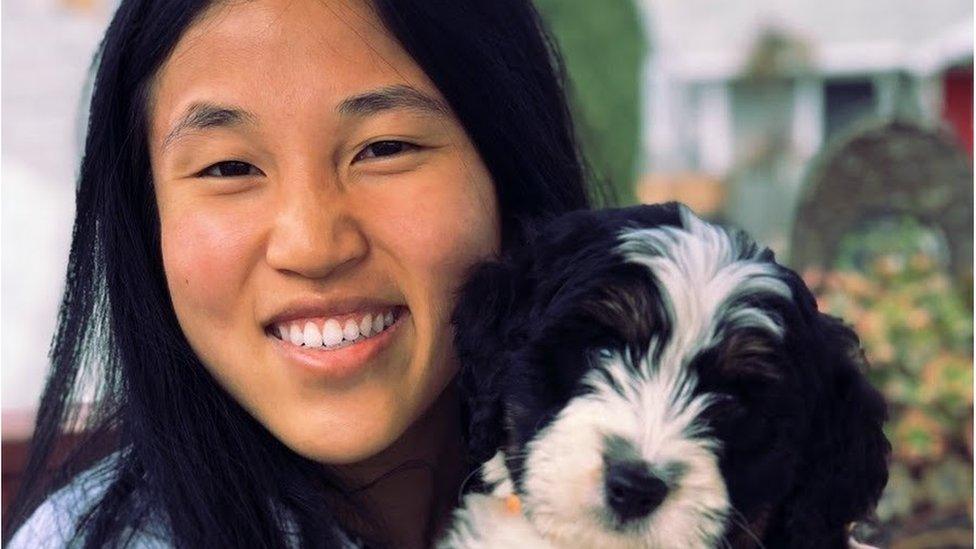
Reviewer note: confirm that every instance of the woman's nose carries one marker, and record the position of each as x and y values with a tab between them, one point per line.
316	233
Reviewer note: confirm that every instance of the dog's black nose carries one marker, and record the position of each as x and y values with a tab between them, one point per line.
632	490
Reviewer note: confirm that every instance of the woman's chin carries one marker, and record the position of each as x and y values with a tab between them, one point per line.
351	443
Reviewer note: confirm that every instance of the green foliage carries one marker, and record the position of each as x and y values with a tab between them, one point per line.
917	332
603	46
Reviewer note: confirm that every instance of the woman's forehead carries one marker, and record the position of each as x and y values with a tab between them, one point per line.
281	60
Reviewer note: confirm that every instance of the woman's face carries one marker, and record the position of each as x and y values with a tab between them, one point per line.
319	205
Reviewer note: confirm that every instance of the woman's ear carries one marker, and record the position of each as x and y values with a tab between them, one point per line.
482	319
846	456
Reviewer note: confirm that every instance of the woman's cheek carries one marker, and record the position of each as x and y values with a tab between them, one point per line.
206	257
441	224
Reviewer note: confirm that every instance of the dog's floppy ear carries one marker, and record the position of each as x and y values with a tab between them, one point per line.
482	319
846	456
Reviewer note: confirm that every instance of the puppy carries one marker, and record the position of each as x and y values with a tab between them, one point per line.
651	380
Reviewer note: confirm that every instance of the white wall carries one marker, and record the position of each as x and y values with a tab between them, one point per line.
47	47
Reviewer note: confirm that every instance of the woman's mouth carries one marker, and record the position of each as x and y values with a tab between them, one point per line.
328	334
338	347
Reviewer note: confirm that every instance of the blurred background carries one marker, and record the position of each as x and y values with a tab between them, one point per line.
838	132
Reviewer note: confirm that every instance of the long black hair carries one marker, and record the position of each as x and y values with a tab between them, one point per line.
185	448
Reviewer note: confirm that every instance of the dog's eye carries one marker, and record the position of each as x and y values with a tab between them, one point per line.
606	347
604	352
726	407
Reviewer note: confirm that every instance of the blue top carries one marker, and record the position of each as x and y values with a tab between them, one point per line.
52	525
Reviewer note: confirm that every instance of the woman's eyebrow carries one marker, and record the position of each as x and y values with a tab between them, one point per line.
202	115
400	96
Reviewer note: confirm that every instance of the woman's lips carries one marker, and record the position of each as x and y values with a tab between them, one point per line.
344	362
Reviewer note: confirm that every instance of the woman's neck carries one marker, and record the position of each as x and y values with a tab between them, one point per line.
411	487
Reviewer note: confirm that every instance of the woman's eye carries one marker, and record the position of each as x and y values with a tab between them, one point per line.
230	168
380	149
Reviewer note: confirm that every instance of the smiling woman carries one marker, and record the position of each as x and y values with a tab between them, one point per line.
287	208
277	205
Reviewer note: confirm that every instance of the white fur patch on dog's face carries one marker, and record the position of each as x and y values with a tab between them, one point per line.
652	408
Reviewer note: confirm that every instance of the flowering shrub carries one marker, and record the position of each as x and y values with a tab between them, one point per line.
917	332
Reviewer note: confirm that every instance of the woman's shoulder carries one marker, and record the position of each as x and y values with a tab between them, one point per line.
53	523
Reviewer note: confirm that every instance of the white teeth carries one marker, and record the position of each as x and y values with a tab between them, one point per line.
331	332
295	335
366	326
351	330
313	337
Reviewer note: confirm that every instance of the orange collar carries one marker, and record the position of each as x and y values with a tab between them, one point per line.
513	505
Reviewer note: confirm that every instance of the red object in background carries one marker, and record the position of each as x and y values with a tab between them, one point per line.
958	104
14	461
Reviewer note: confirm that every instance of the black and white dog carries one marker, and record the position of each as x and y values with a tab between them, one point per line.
651	380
